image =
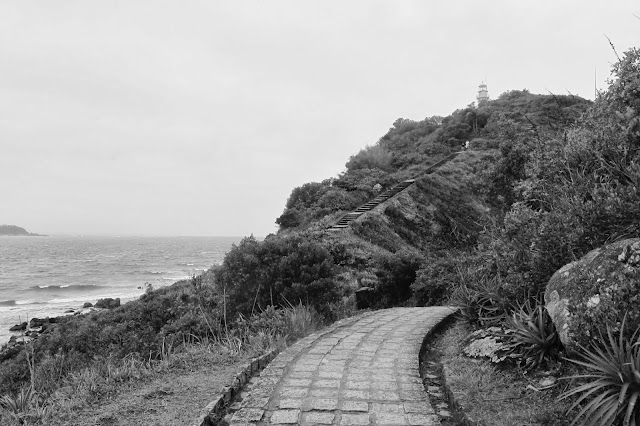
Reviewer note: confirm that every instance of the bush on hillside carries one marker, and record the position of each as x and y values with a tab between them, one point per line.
290	218
306	195
569	191
438	276
395	272
277	271
371	157
364	180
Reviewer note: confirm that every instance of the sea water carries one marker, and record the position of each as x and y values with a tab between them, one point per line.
46	276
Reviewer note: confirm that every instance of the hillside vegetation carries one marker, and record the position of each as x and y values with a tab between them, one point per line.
546	179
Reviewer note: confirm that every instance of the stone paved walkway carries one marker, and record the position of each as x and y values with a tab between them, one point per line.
360	371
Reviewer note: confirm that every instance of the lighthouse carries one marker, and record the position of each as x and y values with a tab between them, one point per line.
483	94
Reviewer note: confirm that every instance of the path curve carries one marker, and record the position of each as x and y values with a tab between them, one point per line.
362	370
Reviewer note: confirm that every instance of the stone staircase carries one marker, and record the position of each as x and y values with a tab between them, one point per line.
346	220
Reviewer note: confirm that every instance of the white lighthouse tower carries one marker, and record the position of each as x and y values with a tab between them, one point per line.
483	94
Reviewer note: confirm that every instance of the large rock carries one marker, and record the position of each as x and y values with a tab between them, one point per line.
108	303
19	327
41	322
600	288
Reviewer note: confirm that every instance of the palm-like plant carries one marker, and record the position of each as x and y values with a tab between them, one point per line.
611	396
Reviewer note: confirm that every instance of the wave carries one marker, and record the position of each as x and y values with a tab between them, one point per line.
153	272
185	277
69	287
20	302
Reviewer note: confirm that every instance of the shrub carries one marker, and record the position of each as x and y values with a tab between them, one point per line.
363	180
437	278
483	304
371	157
612	393
276	271
306	195
290	218
482	144
395	272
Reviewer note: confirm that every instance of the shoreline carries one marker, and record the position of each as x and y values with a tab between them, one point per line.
47	277
7	336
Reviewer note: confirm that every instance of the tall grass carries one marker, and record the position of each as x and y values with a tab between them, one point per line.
63	382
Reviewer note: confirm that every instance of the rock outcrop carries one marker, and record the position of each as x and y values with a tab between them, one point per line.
108	303
19	327
603	287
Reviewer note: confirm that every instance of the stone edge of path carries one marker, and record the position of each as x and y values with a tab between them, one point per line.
443	388
214	411
216	408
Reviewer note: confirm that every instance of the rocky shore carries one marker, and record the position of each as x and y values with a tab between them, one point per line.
27	332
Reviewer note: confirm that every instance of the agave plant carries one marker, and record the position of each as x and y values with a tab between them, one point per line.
531	335
611	395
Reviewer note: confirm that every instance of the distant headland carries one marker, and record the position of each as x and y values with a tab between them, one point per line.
13	230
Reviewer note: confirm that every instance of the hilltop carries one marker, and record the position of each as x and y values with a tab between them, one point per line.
16	231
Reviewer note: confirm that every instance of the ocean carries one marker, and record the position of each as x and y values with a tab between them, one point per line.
46	276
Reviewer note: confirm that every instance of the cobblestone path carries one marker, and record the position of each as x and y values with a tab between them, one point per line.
359	371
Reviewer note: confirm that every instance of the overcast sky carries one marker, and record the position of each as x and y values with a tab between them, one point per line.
199	117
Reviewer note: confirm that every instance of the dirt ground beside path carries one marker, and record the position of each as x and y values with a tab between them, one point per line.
170	398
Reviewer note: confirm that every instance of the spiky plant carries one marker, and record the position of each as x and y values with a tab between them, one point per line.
18	404
532	337
24	406
610	397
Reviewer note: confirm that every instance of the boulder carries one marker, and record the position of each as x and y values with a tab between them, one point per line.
108	303
37	322
603	287
42	322
87	305
19	327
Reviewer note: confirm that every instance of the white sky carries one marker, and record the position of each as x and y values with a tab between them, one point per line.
199	117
